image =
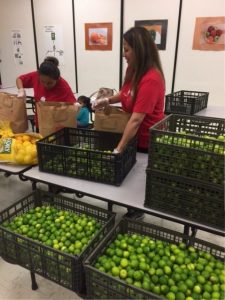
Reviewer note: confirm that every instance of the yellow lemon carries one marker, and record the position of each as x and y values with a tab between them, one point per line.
26	138
27	159
28	148
21	151
19	138
33	152
19	158
26	143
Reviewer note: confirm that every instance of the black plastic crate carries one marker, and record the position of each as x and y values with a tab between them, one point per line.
63	268
86	154
186	102
185	198
101	285
189	146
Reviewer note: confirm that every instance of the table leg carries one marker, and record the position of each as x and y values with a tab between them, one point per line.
186	233
193	231
110	206
34	285
186	229
34	185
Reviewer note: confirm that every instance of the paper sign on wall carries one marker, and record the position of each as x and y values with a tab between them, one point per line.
17	46
54	42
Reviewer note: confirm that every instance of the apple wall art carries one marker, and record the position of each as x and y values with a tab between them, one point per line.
209	34
98	36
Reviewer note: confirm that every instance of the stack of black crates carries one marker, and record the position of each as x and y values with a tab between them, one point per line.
186	102
185	174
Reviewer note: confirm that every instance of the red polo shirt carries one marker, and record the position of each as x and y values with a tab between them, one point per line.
61	92
149	100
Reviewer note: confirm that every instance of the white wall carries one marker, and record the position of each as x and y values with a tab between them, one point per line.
97	68
196	70
57	13
152	10
200	70
15	14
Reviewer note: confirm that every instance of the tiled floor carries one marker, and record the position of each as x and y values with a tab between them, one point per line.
15	281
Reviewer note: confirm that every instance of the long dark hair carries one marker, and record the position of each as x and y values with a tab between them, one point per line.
87	101
49	67
146	55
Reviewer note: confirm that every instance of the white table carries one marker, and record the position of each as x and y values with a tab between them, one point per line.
131	193
213	111
9	170
13	169
14	90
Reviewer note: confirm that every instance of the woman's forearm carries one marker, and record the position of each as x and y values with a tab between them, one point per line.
19	83
130	130
114	99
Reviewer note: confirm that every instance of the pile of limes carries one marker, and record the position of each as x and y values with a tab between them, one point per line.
173	271
63	230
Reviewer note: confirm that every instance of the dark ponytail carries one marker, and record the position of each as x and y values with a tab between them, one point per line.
49	68
87	101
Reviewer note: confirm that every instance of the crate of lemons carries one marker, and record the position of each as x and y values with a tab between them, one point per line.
20	148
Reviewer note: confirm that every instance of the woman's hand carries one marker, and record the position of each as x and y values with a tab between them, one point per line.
130	130
21	93
100	103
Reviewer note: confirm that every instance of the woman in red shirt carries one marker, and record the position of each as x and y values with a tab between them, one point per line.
143	90
47	83
142	93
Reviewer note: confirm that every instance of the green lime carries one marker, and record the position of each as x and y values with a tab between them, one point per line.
189	283
164	289
137	284
155	278
134	263
174	289
170	296
119	252
215	295
124	262
197	289
206	295
137	275
115	271
167	270
151	271
163	280
180	296
156	289
182	287
129	280
143	266
126	254
207	287
146	285
159	272
161	263
123	274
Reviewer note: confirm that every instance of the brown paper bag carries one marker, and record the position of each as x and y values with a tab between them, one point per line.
113	119
13	110
53	116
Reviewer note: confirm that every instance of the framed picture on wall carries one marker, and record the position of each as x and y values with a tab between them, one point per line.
157	29
98	36
209	34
